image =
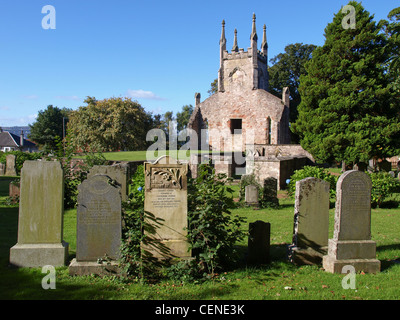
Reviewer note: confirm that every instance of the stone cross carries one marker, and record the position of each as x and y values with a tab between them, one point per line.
351	243
311	222
165	205
40	226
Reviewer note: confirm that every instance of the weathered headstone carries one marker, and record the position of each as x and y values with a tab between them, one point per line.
10	165
351	243
118	172
166	201
40	225
270	192
2	169
98	226
251	195
311	222
259	242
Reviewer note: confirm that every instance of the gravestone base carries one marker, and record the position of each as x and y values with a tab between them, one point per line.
85	268
358	253
332	265
173	249
306	256
39	255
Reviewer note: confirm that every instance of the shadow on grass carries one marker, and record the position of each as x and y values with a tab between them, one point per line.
387	264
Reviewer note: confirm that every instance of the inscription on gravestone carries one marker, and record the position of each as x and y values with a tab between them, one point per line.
166	200
98	219
351	243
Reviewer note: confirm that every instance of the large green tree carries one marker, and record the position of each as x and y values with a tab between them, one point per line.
348	110
49	127
286	70
392	30
109	125
182	118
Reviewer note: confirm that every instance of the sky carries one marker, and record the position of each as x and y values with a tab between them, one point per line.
157	52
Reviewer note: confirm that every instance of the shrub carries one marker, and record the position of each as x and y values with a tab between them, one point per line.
213	231
383	185
315	172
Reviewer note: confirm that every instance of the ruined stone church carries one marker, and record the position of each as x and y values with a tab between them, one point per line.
243	115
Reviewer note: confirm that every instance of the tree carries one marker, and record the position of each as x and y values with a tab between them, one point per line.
49	126
348	110
392	31
286	71
182	118
213	88
109	125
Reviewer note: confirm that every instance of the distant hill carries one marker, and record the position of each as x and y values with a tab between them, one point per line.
17	130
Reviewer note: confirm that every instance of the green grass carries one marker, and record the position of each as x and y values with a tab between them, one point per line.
148	156
242	282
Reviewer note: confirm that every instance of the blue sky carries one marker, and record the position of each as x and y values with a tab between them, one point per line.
157	52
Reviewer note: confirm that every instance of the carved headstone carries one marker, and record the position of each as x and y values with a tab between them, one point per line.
311	222
40	225
351	243
10	165
166	201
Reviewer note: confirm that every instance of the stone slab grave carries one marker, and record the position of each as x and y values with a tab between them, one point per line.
311	222
351	243
40	224
259	243
165	206
118	172
99	225
10	165
251	195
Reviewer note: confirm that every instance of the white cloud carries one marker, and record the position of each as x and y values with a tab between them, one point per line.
142	94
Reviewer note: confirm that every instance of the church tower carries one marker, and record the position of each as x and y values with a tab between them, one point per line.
243	69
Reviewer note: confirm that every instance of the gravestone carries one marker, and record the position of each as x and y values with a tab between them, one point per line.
118	172
385	166
10	165
259	242
2	169
351	243
166	201
40	224
311	222
99	226
251	195
270	192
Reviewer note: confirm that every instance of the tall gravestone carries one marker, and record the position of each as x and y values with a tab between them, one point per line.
10	165
311	222
99	226
40	224
166	201
118	172
351	243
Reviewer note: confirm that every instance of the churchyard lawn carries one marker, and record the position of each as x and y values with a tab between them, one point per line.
279	280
